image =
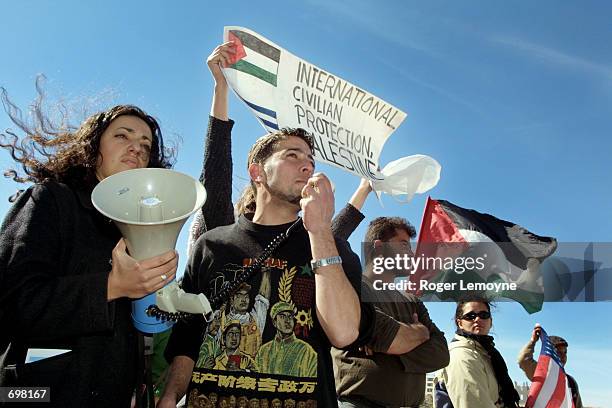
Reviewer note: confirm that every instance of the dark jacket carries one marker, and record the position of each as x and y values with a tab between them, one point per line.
55	254
359	377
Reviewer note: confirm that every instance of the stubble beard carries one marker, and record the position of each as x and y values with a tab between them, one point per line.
291	198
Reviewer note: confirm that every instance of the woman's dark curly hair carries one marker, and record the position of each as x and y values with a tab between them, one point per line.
63	152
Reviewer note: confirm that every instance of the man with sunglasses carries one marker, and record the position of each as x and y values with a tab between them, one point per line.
390	371
528	364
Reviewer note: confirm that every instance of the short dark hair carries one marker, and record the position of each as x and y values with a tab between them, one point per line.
384	228
261	150
265	146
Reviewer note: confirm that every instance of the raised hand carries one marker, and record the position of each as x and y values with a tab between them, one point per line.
535	334
317	204
221	57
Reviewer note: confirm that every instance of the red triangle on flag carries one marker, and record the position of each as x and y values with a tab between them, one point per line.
437	226
437	230
240	52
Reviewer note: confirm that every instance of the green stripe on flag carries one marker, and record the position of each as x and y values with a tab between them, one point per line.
257	45
248	68
531	301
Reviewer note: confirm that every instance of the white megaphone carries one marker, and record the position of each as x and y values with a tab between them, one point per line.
150	206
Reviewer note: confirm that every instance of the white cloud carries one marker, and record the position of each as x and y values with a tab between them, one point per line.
555	57
367	16
439	90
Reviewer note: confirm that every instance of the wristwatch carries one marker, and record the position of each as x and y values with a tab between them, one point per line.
332	260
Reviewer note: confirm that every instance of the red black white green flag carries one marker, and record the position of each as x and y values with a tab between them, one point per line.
501	252
256	61
255	57
349	124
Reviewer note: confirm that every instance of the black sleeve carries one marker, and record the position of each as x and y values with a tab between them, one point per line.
217	175
186	336
347	220
35	291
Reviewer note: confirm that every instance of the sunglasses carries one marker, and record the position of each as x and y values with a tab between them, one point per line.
473	315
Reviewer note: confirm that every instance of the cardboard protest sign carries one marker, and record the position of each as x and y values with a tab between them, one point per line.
350	125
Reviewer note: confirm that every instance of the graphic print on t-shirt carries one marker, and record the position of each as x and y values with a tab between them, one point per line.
256	349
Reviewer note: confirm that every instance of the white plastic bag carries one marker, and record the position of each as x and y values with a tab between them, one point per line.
407	176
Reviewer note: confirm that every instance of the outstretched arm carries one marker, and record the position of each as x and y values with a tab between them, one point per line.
349	218
218	59
525	357
361	194
217	164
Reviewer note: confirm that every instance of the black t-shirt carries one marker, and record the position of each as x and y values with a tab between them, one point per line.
266	341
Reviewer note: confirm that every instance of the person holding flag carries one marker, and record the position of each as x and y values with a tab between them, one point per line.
530	366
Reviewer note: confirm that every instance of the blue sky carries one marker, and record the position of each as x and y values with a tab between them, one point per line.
514	100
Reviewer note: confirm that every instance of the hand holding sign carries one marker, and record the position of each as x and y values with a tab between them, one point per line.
349	125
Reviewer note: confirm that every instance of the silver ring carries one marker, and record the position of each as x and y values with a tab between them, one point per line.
163	277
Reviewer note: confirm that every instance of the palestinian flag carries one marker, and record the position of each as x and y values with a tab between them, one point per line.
255	57
509	252
266	116
256	62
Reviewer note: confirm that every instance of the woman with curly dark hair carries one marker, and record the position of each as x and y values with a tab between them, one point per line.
65	277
